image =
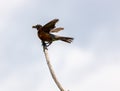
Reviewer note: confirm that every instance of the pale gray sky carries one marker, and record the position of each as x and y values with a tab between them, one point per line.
90	63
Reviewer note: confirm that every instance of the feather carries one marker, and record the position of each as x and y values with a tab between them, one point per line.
57	29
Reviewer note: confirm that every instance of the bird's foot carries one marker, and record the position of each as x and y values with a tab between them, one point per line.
48	43
44	45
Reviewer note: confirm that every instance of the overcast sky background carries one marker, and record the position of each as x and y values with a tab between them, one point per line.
90	63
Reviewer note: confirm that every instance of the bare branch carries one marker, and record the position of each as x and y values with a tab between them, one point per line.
51	69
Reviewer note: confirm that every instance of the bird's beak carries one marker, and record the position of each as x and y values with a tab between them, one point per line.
33	26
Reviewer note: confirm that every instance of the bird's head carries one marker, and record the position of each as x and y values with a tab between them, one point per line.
38	26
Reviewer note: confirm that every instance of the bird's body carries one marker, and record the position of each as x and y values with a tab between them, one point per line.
44	33
44	36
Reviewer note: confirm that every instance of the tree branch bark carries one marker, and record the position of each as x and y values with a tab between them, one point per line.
51	69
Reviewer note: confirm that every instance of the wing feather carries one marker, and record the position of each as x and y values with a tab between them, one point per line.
50	25
57	29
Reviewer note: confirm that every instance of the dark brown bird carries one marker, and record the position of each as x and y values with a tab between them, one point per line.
44	33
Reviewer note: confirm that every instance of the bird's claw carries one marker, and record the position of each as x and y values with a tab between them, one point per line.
46	44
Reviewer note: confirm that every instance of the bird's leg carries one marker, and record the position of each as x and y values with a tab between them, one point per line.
44	44
48	43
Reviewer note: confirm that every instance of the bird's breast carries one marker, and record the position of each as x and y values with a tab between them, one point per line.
44	36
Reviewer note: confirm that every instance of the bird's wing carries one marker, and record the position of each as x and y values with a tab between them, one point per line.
56	29
50	25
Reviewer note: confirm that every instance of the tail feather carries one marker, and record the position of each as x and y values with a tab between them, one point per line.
66	39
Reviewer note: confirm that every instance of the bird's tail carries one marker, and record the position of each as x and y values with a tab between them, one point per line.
66	39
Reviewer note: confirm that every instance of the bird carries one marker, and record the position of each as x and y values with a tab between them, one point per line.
45	33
